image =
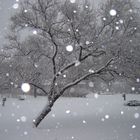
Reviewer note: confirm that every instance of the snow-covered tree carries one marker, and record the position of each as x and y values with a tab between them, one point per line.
72	42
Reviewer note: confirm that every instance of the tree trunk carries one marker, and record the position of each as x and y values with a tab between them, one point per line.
44	113
47	108
35	92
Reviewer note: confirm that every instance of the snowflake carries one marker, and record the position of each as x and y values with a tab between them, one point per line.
104	19
7	74
130	10
67	111
96	96
18	120
34	120
87	42
15	6
35	32
113	12
117	28
53	115
107	116
15	85
77	30
86	6
25	11
11	83
133	88
102	119
64	75
138	80
23	119
84	122
122	112
72	137
72	1
25	87
74	11
36	65
25	133
91	71
77	63
136	115
107	90
91	84
133	126
121	21
18	106
69	48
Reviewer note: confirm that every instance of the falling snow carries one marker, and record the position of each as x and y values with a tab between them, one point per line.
84	122
25	87
133	126
133	88
68	111
91	71
72	1
53	115
25	11
77	63
91	84
87	42
96	96
104	19
121	21
136	115
106	116
138	80
35	32
25	133
15	112
117	28
113	12
69	48
23	119
122	112
16	6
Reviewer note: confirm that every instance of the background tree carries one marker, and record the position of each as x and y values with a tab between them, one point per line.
72	42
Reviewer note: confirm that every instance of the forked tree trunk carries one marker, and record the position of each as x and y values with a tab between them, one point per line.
47	108
44	113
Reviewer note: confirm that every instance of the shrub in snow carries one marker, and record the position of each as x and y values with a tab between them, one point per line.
132	103
21	97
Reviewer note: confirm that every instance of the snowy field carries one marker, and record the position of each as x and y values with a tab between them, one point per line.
102	118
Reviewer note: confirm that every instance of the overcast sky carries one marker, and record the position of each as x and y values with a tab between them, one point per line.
6	10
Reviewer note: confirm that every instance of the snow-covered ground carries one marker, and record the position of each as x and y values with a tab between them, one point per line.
98	118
